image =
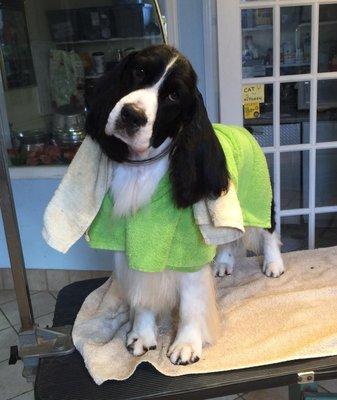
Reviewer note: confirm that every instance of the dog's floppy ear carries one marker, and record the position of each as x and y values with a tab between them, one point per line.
198	164
108	91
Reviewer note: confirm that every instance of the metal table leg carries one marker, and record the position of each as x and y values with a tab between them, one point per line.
14	243
34	342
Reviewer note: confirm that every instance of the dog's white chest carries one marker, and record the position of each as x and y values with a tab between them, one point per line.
133	186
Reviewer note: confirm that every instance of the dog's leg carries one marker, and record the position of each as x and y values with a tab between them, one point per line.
226	257
198	315
143	336
273	264
224	261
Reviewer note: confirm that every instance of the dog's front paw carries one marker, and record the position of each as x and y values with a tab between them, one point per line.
273	269
222	269
139	344
184	353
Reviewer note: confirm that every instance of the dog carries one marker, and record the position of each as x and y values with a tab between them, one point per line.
149	109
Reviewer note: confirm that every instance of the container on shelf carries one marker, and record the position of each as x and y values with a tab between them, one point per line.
129	19
64	25
68	125
32	140
90	23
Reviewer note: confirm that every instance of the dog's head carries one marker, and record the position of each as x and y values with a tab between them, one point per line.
150	98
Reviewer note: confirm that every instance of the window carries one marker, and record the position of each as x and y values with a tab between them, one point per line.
287	78
53	53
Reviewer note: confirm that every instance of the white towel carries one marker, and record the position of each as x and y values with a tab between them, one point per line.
79	196
264	321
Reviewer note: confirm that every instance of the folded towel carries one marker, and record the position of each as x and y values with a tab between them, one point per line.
78	198
249	173
220	221
264	321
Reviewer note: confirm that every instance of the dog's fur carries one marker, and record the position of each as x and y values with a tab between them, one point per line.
151	101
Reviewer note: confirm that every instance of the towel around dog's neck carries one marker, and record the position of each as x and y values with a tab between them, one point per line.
82	194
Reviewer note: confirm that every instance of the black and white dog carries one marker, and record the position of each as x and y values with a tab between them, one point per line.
149	104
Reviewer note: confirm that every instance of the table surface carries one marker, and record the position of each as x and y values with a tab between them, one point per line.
67	378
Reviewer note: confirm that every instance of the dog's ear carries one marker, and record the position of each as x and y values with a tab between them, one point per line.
198	164
109	89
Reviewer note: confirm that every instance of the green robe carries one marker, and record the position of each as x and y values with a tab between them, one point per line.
160	236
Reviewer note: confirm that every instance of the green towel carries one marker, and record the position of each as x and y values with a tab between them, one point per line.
160	236
248	170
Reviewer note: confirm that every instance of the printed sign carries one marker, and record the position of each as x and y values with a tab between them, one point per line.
251	110
253	93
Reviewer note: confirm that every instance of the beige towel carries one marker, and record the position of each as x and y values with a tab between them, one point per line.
78	199
264	321
220	221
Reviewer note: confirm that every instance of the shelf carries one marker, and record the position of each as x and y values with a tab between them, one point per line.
119	39
38	172
321	23
258	28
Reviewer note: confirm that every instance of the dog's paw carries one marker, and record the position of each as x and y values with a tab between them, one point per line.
184	353
139	344
273	269
222	269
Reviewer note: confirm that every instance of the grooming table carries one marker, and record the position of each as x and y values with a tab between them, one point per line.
66	377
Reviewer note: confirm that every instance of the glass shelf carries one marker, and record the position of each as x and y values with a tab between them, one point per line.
119	39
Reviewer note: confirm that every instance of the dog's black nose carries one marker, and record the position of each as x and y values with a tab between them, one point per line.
133	116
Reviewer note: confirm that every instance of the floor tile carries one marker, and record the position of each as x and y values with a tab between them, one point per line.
37	279
8	338
43	322
279	393
330	386
26	396
7	279
57	279
11	381
76	276
43	303
46	320
3	321
54	293
101	274
6	296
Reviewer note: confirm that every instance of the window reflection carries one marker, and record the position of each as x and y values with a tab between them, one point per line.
294	113
68	46
326	177
327	47
294	180
326	110
257	42
294	234
295	51
326	230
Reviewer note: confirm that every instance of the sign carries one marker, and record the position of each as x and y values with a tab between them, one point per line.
253	93
251	110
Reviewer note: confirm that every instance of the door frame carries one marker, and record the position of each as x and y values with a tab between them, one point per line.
210	49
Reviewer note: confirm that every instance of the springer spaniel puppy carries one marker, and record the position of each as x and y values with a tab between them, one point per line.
149	119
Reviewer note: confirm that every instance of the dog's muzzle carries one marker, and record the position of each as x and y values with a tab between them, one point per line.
131	118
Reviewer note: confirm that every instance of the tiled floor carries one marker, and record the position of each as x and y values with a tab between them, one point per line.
13	386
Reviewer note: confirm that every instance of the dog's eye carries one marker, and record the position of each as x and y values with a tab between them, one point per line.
173	96
139	73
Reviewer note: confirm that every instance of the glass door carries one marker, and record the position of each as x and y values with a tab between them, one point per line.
52	53
286	75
